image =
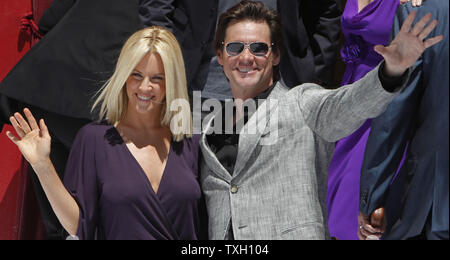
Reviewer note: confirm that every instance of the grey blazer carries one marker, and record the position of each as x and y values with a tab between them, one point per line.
278	188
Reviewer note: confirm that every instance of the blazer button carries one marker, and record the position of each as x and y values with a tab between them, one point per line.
234	189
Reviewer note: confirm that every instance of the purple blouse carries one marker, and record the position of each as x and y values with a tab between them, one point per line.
362	31
115	196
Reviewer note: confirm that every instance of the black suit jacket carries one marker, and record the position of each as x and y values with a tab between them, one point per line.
310	28
193	23
65	69
311	36
419	120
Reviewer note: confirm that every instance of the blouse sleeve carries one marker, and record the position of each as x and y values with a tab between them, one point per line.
80	180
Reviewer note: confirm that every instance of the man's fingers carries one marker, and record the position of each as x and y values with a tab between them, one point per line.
368	229
427	30
432	41
361	235
406	26
418	28
365	233
380	49
31	119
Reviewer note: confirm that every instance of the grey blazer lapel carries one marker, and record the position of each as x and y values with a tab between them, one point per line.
256	127
210	158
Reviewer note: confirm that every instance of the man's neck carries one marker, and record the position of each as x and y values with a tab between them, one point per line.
240	103
239	93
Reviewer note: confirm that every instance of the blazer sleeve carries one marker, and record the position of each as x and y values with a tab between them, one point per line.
322	24
156	12
389	136
54	14
335	114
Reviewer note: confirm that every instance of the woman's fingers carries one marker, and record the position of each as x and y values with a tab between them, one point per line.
31	119
44	130
17	127
24	127
12	137
416	2
23	124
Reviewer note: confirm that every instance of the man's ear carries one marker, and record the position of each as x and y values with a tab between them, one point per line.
219	55
276	58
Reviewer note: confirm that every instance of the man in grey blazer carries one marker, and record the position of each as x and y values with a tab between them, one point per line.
268	179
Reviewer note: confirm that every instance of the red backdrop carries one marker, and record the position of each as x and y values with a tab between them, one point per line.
19	214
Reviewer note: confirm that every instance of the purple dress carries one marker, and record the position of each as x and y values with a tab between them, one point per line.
115	196
362	32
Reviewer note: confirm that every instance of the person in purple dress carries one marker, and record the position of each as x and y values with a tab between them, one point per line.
134	175
365	24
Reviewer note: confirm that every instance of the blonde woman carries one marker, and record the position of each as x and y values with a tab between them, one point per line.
134	175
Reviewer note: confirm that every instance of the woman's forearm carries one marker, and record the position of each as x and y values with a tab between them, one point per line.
63	204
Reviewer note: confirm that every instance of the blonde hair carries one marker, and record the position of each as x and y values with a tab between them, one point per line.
112	96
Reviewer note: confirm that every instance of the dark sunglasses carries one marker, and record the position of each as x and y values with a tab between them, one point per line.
259	49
